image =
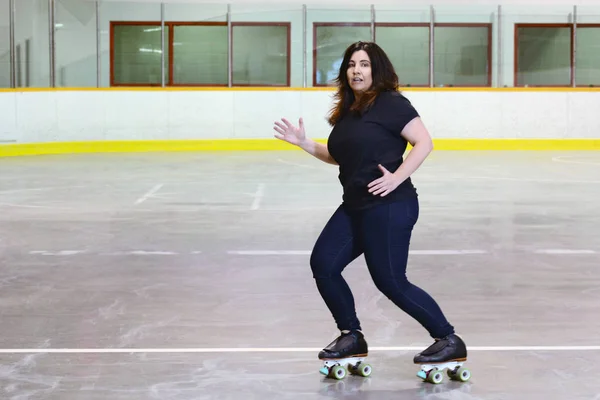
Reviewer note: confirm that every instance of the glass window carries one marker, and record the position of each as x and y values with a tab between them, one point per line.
587	70
462	55
261	54
408	50
75	44
200	54
543	55
331	40
137	53
4	45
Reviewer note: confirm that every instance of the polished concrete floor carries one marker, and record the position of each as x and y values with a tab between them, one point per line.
185	276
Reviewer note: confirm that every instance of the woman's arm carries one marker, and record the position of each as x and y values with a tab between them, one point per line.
317	150
418	136
297	136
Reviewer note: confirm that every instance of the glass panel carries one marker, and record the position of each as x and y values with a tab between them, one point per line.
260	54
137	54
266	13
75	48
408	49
331	42
4	44
544	56
200	55
32	41
588	56
461	56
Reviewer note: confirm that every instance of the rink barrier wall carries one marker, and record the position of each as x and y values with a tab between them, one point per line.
104	120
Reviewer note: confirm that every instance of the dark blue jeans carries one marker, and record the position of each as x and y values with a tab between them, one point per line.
382	234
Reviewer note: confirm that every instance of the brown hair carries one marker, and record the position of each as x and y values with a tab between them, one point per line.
384	79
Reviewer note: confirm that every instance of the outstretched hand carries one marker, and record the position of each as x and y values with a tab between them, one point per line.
384	185
289	132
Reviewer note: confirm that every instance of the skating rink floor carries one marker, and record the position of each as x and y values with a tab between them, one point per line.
185	276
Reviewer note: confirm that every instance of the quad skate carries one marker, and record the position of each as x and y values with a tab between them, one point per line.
433	373
347	353
449	353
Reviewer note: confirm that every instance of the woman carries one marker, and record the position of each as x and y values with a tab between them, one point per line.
372	123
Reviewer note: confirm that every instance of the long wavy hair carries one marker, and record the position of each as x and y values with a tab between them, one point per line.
384	79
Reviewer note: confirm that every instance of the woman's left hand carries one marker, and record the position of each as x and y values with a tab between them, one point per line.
384	185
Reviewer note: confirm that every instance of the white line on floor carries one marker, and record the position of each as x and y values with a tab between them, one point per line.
149	194
446	252
289	252
569	160
286	349
564	251
307	252
269	252
260	193
57	253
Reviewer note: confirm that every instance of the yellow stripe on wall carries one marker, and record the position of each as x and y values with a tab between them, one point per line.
8	150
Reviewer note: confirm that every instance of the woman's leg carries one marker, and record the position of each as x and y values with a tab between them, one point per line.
386	233
335	248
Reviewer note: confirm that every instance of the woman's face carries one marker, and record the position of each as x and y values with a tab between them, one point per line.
359	72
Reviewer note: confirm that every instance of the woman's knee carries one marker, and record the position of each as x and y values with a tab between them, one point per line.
330	260
391	286
318	265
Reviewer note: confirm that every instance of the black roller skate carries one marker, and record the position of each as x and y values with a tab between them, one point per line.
346	353
447	353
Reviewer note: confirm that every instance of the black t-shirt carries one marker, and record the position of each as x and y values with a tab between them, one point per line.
359	143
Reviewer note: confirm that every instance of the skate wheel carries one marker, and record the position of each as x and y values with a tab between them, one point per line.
435	377
364	370
338	372
462	375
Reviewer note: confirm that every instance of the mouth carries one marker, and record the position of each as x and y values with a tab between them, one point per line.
357	80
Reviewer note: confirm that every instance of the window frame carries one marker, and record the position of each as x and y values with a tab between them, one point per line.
487	25
170	25
572	55
113	24
490	38
288	25
516	51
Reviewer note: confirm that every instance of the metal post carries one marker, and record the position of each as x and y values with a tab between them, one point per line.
431	45
574	49
98	64
229	48
162	44
11	28
304	56
499	50
51	30
372	22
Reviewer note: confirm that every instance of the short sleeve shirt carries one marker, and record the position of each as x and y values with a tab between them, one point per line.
359	143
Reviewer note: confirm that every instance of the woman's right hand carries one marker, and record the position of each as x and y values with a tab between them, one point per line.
289	133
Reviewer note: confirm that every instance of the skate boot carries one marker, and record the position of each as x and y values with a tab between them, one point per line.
346	345
346	353
450	348
446	353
